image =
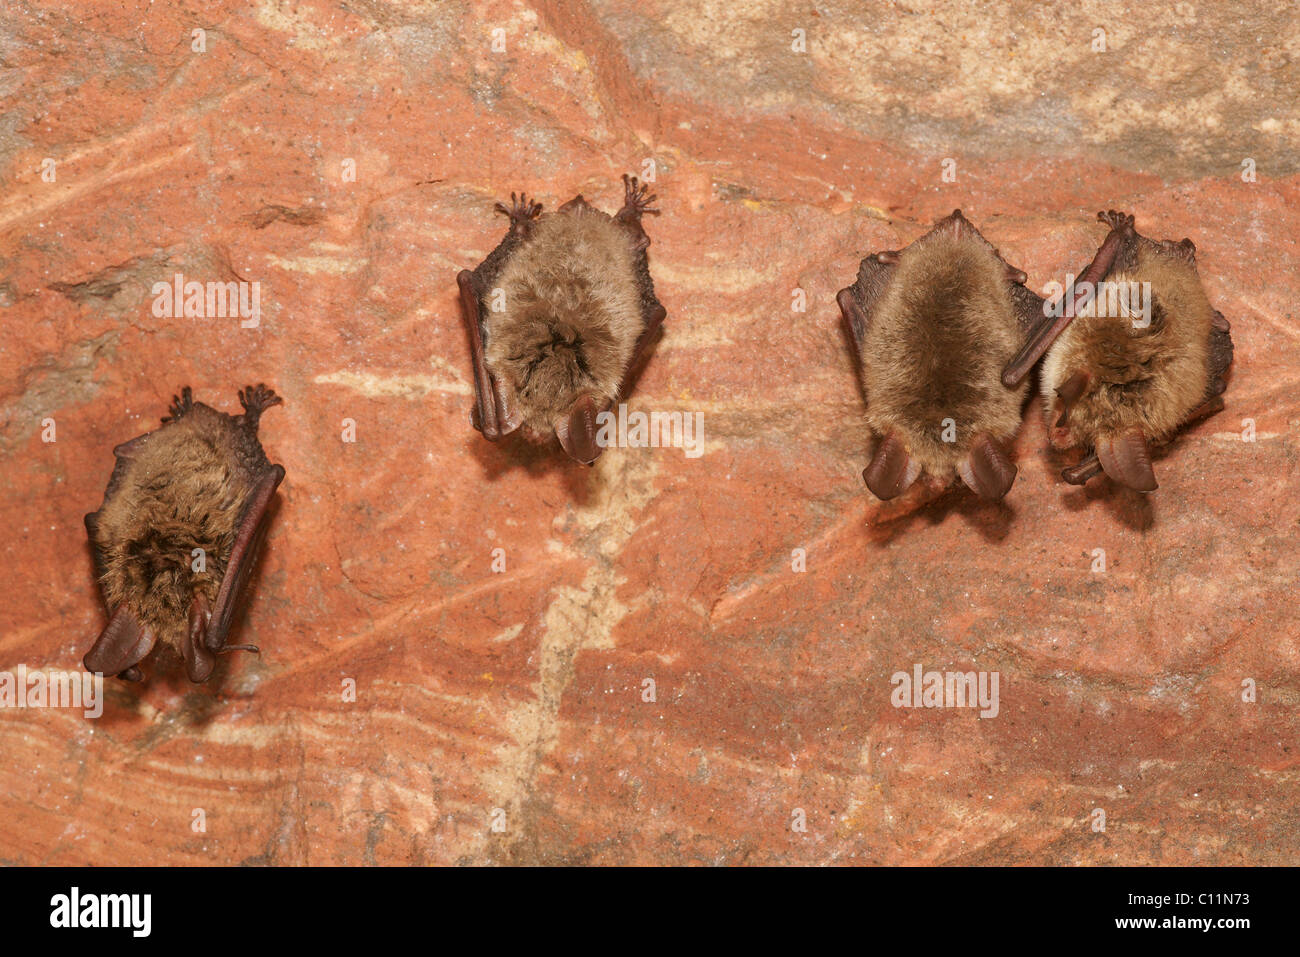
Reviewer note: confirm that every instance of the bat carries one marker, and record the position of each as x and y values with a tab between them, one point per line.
200	481
559	316
932	326
1119	378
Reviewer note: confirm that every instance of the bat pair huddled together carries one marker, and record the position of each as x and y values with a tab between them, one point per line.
562	311
946	335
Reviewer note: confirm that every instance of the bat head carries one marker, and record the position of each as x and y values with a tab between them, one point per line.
1134	365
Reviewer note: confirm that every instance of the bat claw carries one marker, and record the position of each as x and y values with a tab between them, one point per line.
258	397
521	210
1116	220
180	404
256	400
637	197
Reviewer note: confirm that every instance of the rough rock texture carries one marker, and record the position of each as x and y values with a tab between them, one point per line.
517	697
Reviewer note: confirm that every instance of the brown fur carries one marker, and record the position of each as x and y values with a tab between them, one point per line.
1147	379
939	335
180	487
572	316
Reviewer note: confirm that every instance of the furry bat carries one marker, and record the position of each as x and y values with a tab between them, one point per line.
576	311
933	326
201	481
1125	380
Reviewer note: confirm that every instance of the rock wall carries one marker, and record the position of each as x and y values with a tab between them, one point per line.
346	157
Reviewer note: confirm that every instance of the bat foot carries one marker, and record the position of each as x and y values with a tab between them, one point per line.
256	399
521	210
1116	220
636	199
181	404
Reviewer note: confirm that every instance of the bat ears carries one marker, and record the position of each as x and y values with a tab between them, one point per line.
120	646
1127	459
577	430
892	469
1124	457
987	471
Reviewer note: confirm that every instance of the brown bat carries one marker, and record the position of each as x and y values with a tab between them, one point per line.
1119	375
559	315
201	481
933	325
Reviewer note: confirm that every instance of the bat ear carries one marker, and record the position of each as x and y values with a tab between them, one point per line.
987	471
577	430
1069	391
120	645
892	469
194	647
1127	460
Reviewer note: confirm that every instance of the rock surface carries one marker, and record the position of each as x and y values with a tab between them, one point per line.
501	716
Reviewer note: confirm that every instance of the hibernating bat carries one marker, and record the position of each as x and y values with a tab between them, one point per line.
200	481
933	325
559	315
1129	370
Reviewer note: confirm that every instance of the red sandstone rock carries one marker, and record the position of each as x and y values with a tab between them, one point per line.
523	691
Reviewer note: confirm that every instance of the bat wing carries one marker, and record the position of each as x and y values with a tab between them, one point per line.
857	301
1029	308
493	413
636	202
1119	243
208	633
1220	356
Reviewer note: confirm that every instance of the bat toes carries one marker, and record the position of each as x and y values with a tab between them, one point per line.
520	210
1116	220
637	196
256	398
180	404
